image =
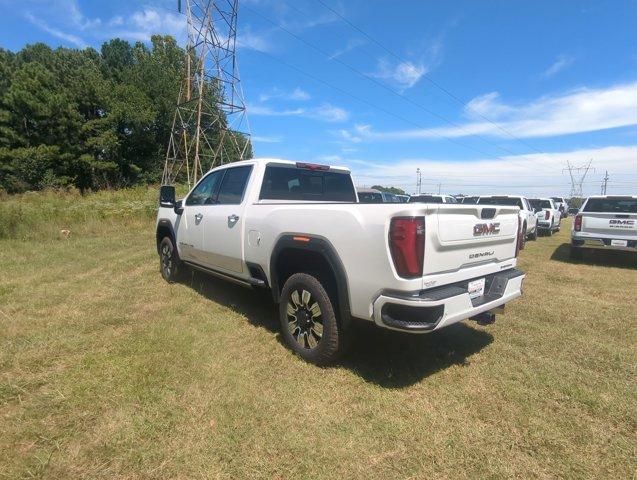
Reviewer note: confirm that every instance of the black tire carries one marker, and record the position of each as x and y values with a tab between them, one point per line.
534	234
549	231
308	320
576	253
523	239
170	265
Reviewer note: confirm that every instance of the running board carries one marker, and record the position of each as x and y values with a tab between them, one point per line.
244	282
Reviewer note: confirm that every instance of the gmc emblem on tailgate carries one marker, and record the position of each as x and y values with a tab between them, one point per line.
486	229
621	223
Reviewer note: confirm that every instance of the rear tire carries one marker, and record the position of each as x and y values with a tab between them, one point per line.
308	321
534	234
523	239
170	264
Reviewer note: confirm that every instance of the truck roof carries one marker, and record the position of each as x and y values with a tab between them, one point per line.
617	197
280	160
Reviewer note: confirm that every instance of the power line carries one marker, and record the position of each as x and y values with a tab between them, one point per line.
428	78
391	90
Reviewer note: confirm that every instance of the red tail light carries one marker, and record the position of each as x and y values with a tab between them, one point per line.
547	215
518	242
407	245
577	225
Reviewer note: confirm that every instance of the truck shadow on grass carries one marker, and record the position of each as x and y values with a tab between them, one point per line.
602	258
384	357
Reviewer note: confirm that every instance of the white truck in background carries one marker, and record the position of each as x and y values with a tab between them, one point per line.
561	205
298	230
607	222
549	218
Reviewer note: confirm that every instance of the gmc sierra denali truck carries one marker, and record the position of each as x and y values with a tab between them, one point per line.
298	230
605	222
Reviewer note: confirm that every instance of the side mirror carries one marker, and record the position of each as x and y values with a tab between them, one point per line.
167	196
167	199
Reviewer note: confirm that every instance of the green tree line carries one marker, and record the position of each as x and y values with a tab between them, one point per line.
85	118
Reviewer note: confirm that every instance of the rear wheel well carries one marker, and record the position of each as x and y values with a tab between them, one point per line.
294	260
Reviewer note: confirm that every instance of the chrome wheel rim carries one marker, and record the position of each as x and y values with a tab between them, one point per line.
305	320
166	259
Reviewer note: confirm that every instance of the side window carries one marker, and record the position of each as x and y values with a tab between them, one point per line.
206	190
234	184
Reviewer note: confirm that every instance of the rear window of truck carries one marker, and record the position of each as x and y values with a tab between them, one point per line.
370	197
289	182
509	202
611	205
540	204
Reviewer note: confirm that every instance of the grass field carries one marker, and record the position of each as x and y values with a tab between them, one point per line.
108	372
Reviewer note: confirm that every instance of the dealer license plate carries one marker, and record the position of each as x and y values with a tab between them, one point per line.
476	288
619	243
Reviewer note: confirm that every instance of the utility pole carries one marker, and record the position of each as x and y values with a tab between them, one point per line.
418	180
605	184
439	187
210	126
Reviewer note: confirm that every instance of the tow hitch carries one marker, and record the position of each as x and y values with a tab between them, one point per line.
487	318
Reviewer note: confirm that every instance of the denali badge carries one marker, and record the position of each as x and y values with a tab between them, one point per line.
481	254
486	229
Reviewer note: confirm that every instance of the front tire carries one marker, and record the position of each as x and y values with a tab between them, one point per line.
308	322
170	265
534	234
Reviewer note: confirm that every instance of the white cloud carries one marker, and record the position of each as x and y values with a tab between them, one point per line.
561	63
403	74
532	175
330	113
297	94
67	37
271	112
578	111
266	139
325	112
351	45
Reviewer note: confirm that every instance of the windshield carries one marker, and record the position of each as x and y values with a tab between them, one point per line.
612	205
370	197
540	204
558	199
426	199
508	201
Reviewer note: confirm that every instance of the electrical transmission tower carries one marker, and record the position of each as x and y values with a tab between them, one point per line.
605	183
210	126
577	178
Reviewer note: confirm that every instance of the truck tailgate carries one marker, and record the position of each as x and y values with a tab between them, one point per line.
619	225
469	235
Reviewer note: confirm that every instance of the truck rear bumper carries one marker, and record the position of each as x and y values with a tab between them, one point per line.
436	308
603	244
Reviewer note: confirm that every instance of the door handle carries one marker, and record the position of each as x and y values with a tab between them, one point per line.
233	218
198	217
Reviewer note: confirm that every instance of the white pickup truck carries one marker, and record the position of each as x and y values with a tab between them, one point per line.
605	222
299	230
549	218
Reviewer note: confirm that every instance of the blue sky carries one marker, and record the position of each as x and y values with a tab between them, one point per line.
483	97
